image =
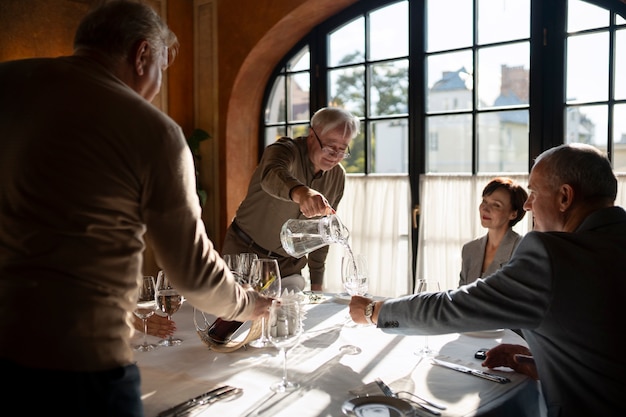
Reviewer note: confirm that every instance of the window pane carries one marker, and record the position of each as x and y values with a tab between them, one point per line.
347	89
581	15
450	24
389	32
275	109
389	88
503	20
503	75
449	144
587	82
347	44
301	61
620	64
298	130
587	124
503	141
355	163
390	146
272	133
619	138
449	81
299	96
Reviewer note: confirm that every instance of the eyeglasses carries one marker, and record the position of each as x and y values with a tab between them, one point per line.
330	151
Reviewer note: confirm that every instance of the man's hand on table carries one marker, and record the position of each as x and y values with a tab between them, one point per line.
159	326
517	357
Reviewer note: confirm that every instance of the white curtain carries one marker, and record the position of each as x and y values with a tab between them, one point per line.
377	211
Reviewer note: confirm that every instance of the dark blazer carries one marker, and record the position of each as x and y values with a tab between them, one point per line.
566	292
473	255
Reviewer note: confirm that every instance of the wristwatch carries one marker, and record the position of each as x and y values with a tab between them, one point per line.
369	311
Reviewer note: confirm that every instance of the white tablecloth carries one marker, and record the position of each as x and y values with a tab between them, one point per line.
330	361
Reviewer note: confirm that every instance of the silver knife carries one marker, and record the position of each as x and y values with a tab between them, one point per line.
191	402
481	374
209	400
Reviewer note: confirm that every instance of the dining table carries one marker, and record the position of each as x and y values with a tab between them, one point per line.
336	363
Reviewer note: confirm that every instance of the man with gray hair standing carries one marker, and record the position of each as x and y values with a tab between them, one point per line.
89	168
296	178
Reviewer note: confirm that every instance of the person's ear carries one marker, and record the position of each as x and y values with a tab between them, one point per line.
566	197
141	57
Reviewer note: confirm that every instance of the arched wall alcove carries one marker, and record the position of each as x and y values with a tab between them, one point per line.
239	148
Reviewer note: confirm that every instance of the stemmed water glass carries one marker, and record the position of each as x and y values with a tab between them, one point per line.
423	286
285	328
244	266
146	306
354	276
168	300
265	278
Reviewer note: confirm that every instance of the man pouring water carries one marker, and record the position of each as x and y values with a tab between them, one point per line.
296	178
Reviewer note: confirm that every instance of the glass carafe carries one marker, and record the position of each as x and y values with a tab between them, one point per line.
302	236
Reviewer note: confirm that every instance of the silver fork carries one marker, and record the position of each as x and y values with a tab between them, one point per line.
389	393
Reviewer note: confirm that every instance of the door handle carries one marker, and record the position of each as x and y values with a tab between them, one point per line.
416	212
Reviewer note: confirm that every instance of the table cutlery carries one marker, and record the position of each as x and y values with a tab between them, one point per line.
389	393
481	374
202	399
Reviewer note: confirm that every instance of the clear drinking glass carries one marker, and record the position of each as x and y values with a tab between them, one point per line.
265	278
168	300
423	286
146	306
354	278
285	328
244	266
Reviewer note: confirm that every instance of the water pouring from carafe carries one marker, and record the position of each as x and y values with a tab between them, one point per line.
302	236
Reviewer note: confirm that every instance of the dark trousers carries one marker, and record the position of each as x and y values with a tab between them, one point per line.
111	393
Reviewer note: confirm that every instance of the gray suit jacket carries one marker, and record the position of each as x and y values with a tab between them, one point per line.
473	255
566	292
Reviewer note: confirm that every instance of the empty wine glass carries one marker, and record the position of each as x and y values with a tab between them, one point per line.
146	306
285	328
244	266
265	278
232	262
168	300
423	286
354	277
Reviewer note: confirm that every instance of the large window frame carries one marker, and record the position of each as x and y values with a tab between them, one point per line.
547	106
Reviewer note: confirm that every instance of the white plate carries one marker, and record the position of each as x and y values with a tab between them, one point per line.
485	333
377	406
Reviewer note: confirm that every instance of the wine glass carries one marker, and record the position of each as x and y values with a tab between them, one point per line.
423	286
244	266
168	300
232	262
285	328
146	306
265	278
354	276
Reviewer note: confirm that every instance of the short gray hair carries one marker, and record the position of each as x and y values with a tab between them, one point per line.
330	118
581	166
114	27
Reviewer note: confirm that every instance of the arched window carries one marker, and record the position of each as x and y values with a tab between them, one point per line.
455	92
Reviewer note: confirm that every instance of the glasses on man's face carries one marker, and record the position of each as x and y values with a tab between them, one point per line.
330	151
